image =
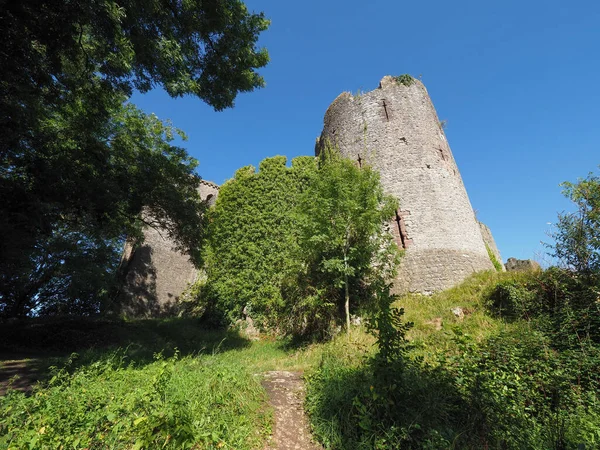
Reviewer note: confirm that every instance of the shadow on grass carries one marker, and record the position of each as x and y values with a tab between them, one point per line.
29	349
418	408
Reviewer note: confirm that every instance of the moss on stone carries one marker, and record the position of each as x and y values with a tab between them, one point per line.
493	258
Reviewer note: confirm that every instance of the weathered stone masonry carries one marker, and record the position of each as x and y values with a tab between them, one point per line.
157	274
486	233
396	130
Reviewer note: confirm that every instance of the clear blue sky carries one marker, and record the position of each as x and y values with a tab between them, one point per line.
517	82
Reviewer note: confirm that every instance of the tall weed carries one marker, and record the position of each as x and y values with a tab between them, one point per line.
190	402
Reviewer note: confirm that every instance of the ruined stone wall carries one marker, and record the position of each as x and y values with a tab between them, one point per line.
395	129
156	273
486	233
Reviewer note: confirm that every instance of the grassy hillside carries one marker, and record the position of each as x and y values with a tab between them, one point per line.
141	384
430	313
468	379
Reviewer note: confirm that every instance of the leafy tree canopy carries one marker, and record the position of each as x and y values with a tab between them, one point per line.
75	229
577	234
76	162
204	48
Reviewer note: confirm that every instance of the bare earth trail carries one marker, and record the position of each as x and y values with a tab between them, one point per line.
286	396
19	374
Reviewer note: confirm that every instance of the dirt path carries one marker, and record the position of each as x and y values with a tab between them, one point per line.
20	374
286	395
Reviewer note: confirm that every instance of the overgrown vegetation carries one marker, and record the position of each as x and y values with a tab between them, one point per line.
505	361
478	382
290	246
404	79
252	243
493	259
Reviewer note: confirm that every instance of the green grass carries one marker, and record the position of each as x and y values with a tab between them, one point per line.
192	402
477	322
478	382
144	384
497	265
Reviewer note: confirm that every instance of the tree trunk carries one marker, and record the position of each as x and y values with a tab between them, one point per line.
346	288
347	303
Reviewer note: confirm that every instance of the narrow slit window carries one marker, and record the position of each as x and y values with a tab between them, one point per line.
400	230
400	233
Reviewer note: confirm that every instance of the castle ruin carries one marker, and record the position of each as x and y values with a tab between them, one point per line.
396	130
156	273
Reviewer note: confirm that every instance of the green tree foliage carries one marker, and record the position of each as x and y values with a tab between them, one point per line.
79	244
251	239
285	242
577	234
341	215
74	161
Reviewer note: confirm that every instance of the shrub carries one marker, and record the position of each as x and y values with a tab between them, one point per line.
404	79
563	303
572	306
520	392
511	391
512	299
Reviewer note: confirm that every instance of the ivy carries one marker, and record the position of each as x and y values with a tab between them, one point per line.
294	246
251	244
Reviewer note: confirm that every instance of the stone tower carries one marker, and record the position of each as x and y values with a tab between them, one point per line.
156	274
395	129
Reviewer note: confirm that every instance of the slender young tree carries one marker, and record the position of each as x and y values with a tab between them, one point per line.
341	216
